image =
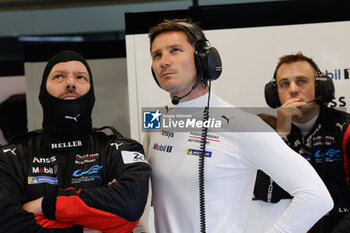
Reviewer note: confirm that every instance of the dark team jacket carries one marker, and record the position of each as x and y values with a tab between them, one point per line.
323	147
73	179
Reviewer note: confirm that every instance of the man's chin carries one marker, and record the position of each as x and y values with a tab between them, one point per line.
170	88
311	107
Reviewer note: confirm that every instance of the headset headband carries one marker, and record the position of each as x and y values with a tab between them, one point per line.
310	61
194	31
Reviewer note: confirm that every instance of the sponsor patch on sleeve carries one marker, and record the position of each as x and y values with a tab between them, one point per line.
42	179
133	157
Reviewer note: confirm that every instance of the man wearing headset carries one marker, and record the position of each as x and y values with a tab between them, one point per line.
319	133
183	64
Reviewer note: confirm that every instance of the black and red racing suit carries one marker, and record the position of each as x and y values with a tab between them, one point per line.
74	181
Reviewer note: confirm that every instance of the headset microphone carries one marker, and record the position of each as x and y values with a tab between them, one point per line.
316	100
175	100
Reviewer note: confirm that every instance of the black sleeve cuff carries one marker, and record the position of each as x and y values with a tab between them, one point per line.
78	229
49	205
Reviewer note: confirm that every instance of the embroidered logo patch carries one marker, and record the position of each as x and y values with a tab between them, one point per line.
133	157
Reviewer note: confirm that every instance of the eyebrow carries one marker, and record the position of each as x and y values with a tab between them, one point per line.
298	77
81	72
65	72
57	72
75	73
171	46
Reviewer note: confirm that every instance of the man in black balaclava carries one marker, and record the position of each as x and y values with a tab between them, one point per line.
67	101
70	177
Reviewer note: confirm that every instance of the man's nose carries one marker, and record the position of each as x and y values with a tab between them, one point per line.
165	61
293	89
70	82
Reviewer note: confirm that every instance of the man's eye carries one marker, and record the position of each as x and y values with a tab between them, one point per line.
302	81
175	50
58	76
83	78
284	84
156	55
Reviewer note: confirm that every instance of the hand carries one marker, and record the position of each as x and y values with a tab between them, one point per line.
87	230
34	206
285	114
111	182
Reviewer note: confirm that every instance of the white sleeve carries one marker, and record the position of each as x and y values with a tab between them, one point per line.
265	150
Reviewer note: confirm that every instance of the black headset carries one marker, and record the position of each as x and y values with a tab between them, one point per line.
324	88
207	58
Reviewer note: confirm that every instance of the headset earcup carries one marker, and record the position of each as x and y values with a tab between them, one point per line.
199	67
271	95
324	89
207	58
214	65
209	63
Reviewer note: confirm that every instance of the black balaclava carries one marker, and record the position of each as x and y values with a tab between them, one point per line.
66	120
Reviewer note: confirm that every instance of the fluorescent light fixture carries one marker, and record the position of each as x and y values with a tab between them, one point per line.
51	38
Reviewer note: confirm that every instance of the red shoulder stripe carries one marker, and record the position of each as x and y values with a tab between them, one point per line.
346	159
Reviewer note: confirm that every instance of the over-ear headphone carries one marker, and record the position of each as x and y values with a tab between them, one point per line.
207	58
324	88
